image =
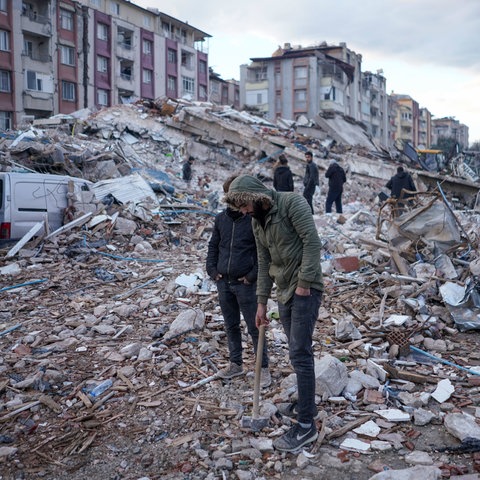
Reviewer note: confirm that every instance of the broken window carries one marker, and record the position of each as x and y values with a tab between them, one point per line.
125	38
172	56
187	60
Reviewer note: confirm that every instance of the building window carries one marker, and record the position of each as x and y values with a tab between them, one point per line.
147	47
187	60
300	74
34	82
188	85
66	20
172	56
183	35
102	64
5	82
3	5
202	66
102	97
202	92
147	21
28	48
259	99
102	31
96	3
68	91
67	55
5	120
300	100
171	84
4	41
147	76
115	8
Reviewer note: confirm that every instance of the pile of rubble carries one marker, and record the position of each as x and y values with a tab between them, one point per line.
111	334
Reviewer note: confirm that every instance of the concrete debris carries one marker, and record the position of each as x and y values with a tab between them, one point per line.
118	296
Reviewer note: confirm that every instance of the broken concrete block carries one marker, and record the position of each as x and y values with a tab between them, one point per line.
443	391
186	321
354	445
331	376
462	426
417	457
422	417
366	380
394	415
368	429
414	473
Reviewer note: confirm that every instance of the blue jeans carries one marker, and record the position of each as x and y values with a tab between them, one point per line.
236	298
298	317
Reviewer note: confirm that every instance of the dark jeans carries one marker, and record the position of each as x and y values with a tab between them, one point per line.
235	298
298	317
334	196
308	195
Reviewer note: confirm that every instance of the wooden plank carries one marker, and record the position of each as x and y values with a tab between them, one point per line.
31	233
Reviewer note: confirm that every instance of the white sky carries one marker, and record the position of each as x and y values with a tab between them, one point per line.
428	49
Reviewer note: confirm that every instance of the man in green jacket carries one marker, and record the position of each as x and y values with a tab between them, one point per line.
288	248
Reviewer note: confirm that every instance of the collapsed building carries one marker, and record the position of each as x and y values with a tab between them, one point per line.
118	298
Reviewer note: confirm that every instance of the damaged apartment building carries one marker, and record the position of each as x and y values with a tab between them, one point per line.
59	56
327	80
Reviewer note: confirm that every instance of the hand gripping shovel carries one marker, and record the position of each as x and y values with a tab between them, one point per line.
255	422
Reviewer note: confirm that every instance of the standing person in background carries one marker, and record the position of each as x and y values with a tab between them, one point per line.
232	264
187	169
310	180
288	249
336	178
400	182
282	176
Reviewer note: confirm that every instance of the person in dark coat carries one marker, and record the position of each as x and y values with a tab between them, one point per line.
187	169
282	176
232	264
400	182
336	178
310	180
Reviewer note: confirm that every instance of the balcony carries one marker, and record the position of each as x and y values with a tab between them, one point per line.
38	62
36	100
37	24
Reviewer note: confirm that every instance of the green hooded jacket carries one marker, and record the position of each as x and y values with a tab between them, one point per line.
288	247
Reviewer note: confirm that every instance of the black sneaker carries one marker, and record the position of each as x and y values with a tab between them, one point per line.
296	438
290	410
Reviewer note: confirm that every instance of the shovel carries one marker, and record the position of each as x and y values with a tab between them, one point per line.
255	422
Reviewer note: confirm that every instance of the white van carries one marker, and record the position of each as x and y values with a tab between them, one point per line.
27	198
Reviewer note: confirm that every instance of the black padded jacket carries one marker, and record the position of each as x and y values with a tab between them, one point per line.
231	250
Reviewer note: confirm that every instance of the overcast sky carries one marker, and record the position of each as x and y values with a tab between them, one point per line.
428	49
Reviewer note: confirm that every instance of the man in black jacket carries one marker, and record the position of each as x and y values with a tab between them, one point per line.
336	178
398	184
232	263
282	176
310	180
